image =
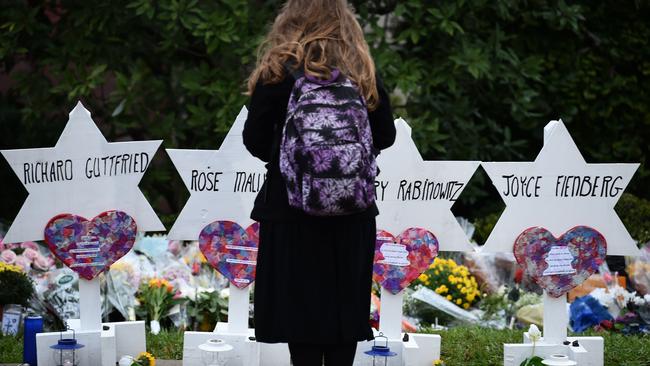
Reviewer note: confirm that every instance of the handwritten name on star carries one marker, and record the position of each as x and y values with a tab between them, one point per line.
561	186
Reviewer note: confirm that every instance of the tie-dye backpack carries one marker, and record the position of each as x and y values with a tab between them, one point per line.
326	154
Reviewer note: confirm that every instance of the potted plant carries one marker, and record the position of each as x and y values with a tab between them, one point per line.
206	309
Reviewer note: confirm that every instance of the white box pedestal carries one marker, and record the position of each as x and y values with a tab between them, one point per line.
420	350
591	351
103	348
246	351
91	354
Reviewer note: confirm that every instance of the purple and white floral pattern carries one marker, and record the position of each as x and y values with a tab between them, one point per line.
326	154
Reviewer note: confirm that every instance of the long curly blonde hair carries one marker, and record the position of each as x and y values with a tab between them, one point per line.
320	35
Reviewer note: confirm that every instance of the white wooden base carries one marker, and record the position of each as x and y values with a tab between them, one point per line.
420	350
591	351
246	351
91	354
103	348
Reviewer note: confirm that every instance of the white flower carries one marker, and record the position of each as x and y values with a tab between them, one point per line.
534	334
605	298
225	293
621	296
647	298
638	301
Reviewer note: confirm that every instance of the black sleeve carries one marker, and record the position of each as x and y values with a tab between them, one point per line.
266	112
381	120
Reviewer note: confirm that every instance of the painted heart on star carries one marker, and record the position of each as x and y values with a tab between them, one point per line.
231	250
560	264
89	247
399	261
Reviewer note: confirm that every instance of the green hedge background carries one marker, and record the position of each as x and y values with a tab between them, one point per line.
476	79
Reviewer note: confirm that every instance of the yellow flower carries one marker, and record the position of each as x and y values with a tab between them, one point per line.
437	272
441	289
423	277
151	361
437	362
459	301
449	297
466	305
10	267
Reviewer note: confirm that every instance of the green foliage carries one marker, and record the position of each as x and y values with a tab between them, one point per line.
482	78
11	348
635	214
171	70
533	361
208	308
483	226
166	345
15	286
460	346
478	79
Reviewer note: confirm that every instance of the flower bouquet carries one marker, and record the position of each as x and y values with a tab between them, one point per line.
156	298
144	359
452	281
15	286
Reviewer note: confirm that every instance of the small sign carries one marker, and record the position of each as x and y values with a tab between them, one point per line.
394	254
10	322
559	260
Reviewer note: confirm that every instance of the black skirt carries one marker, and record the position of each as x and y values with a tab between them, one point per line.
313	280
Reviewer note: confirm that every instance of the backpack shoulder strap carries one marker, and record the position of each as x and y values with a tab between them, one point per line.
294	70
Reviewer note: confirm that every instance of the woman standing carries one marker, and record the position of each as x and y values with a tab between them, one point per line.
314	272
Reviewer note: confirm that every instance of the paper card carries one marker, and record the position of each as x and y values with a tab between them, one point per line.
394	254
231	250
558	261
560	264
412	192
10	322
223	183
558	191
83	174
400	260
89	247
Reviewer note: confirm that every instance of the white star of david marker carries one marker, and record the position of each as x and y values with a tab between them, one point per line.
223	183
82	174
412	192
558	191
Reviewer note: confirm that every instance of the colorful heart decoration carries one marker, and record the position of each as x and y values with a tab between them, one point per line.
560	264
399	261
231	250
89	247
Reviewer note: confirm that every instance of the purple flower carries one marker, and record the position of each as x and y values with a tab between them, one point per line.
345	188
322	161
311	138
349	160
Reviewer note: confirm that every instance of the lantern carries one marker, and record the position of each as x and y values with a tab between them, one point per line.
66	351
380	354
211	352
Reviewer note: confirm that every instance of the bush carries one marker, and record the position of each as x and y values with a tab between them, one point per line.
479	79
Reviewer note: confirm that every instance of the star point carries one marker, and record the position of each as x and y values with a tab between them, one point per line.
413	192
223	183
82	175
560	190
